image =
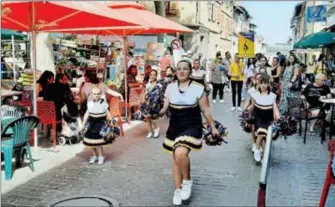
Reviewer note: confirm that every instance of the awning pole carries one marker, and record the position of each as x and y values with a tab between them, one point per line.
34	85
125	72
13	56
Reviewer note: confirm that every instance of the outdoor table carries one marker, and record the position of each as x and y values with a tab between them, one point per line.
7	93
5	120
323	132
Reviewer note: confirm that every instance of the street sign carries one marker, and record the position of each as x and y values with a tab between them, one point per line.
316	13
176	44
246	45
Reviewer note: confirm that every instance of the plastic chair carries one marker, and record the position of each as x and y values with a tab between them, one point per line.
46	111
330	177
135	98
12	111
114	108
19	141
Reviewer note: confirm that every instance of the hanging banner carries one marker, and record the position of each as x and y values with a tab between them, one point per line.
316	13
246	45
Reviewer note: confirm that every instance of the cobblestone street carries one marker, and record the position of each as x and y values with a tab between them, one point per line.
137	172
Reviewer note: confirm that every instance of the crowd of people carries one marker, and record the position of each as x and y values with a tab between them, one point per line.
269	93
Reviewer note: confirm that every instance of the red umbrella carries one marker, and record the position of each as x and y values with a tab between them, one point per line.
35	16
149	22
46	15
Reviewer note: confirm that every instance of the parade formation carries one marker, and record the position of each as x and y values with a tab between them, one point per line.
107	95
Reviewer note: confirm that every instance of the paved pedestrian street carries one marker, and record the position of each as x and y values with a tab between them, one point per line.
137	172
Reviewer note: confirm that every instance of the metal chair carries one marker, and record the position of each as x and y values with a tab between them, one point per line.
307	117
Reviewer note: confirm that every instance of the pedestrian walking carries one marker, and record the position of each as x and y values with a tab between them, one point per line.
290	76
218	79
186	100
249	72
276	70
199	76
236	72
227	62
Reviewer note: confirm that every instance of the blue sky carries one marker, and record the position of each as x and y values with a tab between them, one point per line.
272	19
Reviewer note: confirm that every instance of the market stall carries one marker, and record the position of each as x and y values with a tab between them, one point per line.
35	16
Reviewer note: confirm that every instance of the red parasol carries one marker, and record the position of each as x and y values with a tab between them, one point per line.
150	23
46	15
35	16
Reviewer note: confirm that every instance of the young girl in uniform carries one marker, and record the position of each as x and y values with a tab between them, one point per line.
95	119
248	107
265	110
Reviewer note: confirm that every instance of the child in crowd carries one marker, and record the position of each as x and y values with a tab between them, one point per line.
266	111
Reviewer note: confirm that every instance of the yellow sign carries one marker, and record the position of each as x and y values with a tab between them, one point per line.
246	45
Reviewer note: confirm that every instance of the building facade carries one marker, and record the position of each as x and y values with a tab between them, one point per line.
331	15
299	26
211	21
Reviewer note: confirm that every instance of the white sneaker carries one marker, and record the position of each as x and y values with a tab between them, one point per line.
186	189
257	155
239	109
233	109
214	101
156	132
101	160
149	135
253	148
221	101
177	198
92	159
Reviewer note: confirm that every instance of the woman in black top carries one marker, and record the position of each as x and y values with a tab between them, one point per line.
275	74
45	79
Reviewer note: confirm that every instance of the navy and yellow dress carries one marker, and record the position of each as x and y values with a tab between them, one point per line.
185	127
263	112
96	121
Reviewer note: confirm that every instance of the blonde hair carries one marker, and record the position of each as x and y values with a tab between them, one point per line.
95	89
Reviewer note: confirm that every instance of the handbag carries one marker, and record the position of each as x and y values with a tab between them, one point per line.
296	85
109	131
329	115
